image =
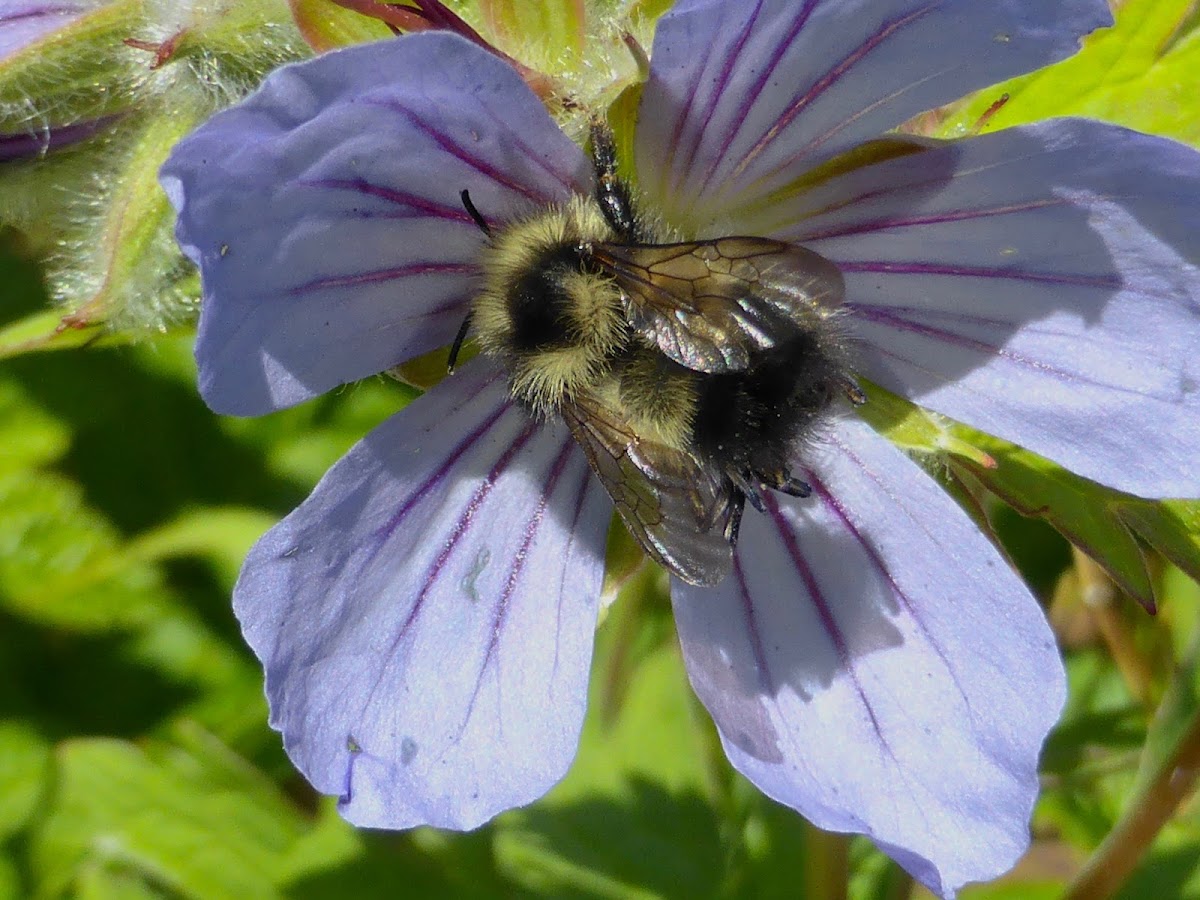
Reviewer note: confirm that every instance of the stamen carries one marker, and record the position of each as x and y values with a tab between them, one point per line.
640	57
988	113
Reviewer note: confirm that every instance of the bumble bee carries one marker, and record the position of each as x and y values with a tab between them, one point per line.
689	372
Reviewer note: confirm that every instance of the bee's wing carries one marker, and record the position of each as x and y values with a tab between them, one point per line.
683	513
710	305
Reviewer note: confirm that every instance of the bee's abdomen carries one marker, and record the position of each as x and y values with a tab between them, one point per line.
754	421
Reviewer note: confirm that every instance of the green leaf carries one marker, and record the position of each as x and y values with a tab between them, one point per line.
1138	73
221	536
1170	869
1084	512
388	865
1165	779
1022	889
910	427
29	436
61	563
230	46
24	775
331	842
874	876
648	10
1172	527
190	815
10	879
1090	756
113	881
301	444
652	735
1180	615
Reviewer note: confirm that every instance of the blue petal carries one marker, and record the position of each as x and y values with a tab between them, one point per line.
1039	283
324	211
744	97
425	618
24	22
875	664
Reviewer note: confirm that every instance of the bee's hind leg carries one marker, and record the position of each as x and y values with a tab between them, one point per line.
736	506
853	392
751	487
794	487
612	193
784	482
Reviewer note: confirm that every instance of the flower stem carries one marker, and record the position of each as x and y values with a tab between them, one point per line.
1120	852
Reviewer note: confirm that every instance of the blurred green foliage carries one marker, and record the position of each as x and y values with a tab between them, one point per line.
135	759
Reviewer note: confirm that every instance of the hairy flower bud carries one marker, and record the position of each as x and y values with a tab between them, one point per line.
93	96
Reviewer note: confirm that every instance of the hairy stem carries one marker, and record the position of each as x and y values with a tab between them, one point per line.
1120	852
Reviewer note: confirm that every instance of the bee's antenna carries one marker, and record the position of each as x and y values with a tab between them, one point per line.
474	214
466	324
458	342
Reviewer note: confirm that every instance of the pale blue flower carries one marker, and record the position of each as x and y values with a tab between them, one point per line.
425	618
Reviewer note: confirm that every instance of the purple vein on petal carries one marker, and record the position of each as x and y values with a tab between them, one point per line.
832	503
813	145
419	205
714	98
380	275
22	146
47	10
753	93
958	215
851	201
939	181
460	153
684	115
923	268
440	473
384	532
825	613
532	154
586	484
884	316
500	613
886	30
766	680
873	312
465	519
